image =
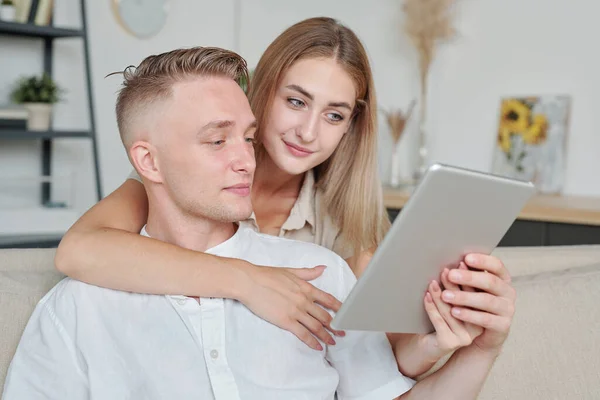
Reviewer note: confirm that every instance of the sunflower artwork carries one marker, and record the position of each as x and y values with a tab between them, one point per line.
531	140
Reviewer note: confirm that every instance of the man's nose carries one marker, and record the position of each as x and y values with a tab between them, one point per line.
243	159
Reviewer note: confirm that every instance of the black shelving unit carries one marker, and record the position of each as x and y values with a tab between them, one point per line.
36	31
17	134
48	34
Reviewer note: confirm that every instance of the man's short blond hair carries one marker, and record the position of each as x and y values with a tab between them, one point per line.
153	79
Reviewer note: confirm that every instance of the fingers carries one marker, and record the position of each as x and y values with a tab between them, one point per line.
482	280
488	263
304	335
450	290
323	298
446	282
285	298
483	319
307	274
479	301
493	307
317	296
444	310
463	266
438	322
312	297
315	327
323	317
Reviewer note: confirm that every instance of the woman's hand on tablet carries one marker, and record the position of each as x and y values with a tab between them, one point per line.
491	307
450	333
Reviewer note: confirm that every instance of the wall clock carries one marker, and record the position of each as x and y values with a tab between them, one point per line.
141	18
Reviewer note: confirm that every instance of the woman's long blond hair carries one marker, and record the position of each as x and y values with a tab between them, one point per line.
349	178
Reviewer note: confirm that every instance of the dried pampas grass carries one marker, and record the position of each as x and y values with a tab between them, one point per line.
428	22
397	120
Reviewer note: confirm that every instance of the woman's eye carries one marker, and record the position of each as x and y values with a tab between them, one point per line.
335	117
296	102
250	140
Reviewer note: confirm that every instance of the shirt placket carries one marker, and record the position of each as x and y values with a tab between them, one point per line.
213	340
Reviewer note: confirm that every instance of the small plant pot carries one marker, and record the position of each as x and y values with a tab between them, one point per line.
7	13
39	116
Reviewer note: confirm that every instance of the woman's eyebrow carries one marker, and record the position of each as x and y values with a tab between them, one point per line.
341	104
304	92
301	90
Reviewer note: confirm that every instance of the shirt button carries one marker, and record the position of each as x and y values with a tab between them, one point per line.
181	301
214	354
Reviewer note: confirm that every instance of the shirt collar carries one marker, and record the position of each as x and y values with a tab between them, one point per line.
227	247
303	210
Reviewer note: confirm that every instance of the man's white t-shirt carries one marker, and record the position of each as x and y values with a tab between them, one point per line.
83	341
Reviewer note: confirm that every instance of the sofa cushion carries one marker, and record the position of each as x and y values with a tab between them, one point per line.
553	350
25	277
521	261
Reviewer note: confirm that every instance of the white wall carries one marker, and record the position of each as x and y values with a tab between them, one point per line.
505	48
519	47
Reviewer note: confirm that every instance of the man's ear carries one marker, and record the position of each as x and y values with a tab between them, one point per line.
143	155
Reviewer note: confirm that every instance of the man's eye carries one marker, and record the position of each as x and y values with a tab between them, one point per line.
218	142
296	102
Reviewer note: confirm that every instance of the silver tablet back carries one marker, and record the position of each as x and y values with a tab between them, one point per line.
452	212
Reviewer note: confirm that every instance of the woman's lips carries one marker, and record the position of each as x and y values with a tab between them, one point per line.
296	150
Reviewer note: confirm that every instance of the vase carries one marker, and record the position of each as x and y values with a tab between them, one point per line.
7	13
39	116
421	159
395	167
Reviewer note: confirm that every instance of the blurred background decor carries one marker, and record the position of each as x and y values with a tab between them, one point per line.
8	10
396	120
37	94
531	144
142	19
428	23
35	12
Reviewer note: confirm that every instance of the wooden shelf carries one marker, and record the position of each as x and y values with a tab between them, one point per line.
19	134
37	31
547	208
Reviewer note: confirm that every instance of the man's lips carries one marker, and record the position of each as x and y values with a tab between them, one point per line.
241	189
298	151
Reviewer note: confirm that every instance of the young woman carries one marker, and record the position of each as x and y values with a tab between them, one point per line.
316	180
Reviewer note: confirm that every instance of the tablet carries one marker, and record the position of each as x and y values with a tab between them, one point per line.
452	212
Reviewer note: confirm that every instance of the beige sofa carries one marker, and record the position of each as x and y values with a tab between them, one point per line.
553	351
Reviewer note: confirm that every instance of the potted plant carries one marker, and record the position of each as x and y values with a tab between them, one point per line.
7	10
37	94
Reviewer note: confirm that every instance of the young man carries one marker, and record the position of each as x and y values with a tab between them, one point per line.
188	129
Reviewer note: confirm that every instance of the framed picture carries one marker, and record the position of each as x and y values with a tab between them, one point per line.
531	140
